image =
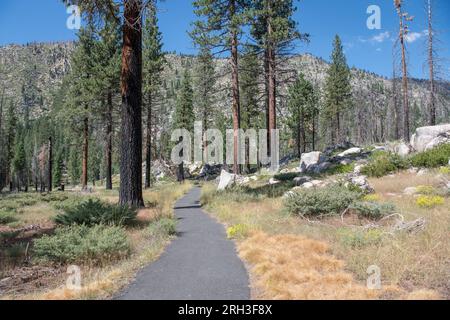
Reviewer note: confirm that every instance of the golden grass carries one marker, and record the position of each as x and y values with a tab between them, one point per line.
297	268
411	263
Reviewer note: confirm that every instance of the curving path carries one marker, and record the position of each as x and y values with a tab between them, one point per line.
199	264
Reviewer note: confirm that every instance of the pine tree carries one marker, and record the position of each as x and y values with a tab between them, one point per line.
11	128
20	163
303	110
275	31
154	62
106	67
59	170
184	112
250	110
82	92
337	90
130	192
219	27
205	88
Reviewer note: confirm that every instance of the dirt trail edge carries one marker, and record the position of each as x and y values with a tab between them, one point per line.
199	264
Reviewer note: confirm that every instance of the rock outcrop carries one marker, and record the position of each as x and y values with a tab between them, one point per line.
426	138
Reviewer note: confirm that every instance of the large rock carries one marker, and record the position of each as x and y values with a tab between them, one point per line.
440	139
425	136
361	181
301	180
349	152
226	180
309	159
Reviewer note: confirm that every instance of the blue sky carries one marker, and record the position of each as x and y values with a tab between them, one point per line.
23	21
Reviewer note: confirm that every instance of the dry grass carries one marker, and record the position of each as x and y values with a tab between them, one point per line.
412	265
297	268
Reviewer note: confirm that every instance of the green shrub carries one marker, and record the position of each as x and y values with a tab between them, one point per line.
360	238
237	231
329	200
444	170
7	217
341	169
163	227
83	244
94	211
372	210
54	197
433	158
382	163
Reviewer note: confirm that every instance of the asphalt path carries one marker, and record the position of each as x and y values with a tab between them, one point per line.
200	264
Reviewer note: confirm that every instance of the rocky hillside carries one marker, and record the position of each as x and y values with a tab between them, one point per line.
33	72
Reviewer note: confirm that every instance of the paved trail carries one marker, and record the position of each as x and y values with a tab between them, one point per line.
199	264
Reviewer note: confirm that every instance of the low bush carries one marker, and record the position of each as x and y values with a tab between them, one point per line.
329	200
83	244
237	231
359	239
163	227
54	197
7	217
372	210
382	163
341	169
429	201
433	158
92	212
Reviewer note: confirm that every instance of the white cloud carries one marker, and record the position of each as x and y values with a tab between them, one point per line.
381	37
414	36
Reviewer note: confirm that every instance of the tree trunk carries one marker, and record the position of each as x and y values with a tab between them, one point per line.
432	101
50	164
109	133
404	81
235	92
148	157
272	86
396	105
84	170
313	133
131	88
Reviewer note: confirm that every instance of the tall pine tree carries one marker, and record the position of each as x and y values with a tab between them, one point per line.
337	90
154	61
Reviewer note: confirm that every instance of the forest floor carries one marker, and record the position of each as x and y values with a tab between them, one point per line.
21	277
290	257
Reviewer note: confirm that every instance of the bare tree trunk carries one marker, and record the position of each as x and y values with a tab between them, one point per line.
397	118
271	76
109	133
406	126
50	164
148	156
313	133
131	87
84	170
235	89
432	101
